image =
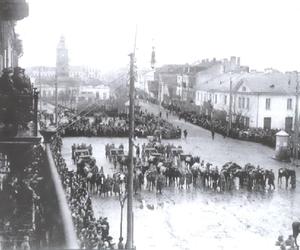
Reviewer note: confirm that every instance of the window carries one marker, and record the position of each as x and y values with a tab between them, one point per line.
240	102
268	103
289	103
104	96
243	102
248	103
216	98
247	122
225	99
244	88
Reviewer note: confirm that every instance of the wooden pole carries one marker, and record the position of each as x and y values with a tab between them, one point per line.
40	89
230	108
35	110
129	243
296	120
56	102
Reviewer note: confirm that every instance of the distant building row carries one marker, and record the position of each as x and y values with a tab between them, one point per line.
74	84
259	99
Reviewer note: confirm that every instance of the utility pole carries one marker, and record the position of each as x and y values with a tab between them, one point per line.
296	139
230	108
159	92
56	102
129	242
40	89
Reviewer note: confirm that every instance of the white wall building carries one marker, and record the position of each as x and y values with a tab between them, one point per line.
261	100
143	78
98	92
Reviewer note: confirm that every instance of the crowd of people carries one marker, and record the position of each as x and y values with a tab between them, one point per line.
259	135
92	233
159	165
118	126
16	102
22	218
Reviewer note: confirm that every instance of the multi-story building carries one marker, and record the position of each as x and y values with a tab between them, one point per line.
144	79
177	82
10	44
70	89
94	93
259	99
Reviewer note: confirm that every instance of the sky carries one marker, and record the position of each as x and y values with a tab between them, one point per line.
101	33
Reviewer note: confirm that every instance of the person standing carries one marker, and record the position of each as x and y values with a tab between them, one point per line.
271	179
120	244
185	133
212	132
138	151
25	244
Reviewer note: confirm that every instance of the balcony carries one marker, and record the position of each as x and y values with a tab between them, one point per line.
18	105
13	10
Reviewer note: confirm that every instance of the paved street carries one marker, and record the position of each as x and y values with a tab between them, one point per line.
193	219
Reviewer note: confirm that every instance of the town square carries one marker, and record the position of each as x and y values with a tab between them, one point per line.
149	124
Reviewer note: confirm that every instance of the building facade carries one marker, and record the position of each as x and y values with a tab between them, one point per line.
259	99
10	44
94	93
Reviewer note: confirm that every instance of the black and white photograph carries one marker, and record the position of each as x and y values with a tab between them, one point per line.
138	124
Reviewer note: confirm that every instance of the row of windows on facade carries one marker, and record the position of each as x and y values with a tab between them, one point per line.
105	95
289	104
242	101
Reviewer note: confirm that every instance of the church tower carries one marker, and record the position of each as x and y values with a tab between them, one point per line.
62	59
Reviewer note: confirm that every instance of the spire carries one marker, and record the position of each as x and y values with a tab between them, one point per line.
153	61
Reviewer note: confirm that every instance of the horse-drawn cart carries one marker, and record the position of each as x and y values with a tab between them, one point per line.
115	153
149	151
81	153
176	151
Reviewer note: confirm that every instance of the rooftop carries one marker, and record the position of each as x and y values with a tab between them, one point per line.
275	83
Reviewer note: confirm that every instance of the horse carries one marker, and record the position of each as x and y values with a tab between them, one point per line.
296	230
91	181
100	178
160	183
269	178
188	179
108	186
287	173
151	178
116	187
136	183
195	174
172	174
215	176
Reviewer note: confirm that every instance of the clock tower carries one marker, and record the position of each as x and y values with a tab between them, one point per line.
62	59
